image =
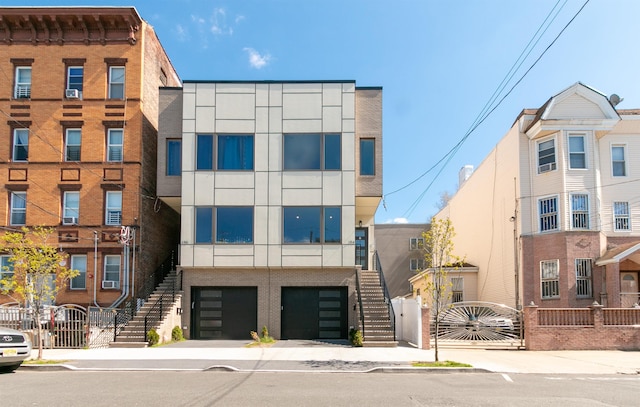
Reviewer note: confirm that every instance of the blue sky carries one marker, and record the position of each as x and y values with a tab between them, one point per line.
439	63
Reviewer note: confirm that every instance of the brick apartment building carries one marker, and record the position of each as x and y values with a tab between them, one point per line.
277	183
79	97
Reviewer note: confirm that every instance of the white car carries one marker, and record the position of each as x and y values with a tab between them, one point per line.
15	347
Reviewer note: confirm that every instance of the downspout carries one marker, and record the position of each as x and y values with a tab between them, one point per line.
125	288
95	269
133	266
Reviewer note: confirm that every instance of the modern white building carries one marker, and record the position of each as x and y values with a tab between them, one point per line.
552	215
277	184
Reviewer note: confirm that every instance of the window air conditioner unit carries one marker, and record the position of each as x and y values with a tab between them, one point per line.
72	94
110	284
546	167
70	221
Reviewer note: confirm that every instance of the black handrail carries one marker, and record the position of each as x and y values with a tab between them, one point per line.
385	289
359	291
168	296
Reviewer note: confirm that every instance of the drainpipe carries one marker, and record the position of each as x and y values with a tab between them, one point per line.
125	279
133	267
95	268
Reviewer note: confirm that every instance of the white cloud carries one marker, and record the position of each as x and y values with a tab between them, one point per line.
181	33
256	60
397	220
219	22
239	18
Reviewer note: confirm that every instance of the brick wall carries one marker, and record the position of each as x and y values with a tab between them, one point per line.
596	336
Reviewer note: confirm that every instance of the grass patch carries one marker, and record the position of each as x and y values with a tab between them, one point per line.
446	363
43	362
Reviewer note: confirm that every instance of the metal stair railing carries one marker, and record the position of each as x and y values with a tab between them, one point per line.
385	289
167	298
359	291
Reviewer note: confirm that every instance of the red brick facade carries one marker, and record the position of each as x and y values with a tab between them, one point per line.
95	39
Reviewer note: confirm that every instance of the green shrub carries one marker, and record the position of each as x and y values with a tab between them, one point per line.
152	337
176	334
355	337
265	332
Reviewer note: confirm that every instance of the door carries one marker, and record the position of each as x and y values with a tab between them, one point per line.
224	312
628	288
361	248
314	313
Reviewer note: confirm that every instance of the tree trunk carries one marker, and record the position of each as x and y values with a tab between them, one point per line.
36	315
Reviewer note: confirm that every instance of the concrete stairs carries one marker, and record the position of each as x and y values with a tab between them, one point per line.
133	335
378	329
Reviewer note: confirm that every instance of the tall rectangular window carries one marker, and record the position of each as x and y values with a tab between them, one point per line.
6	268
73	138
79	282
174	157
18	208
580	211
583	278
235	152
204	152
115	144
416	243
23	82
20	145
621	220
548	208
618	161
312	152
577	153
116	82
113	208
550	280
367	156
546	156
75	75
111	277
234	224
311	224
204	224
457	289
71	208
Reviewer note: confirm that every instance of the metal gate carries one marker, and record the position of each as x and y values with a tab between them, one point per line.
479	323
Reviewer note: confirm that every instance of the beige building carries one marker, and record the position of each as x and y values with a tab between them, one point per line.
277	183
551	215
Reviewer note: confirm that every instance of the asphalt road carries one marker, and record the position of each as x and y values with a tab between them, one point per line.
199	389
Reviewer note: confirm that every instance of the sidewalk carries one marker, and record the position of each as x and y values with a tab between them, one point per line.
316	356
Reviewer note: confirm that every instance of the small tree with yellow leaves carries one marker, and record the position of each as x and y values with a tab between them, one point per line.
36	273
439	259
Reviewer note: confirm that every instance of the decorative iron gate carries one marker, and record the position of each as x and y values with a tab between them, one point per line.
479	323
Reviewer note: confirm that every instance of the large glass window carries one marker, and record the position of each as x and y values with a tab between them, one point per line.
548	208
113	208
234	224
23	82
580	211
72	143
75	76
20	144
204	152
312	152
312	224
367	157
583	278
235	152
549	276
111	272
114	144
174	157
204	225
577	154
618	161
18	208
79	282
546	156
621	216
71	208
116	82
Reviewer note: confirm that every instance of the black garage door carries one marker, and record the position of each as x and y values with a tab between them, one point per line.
314	312
224	312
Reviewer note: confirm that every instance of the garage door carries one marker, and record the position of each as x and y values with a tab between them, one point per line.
314	312
224	312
